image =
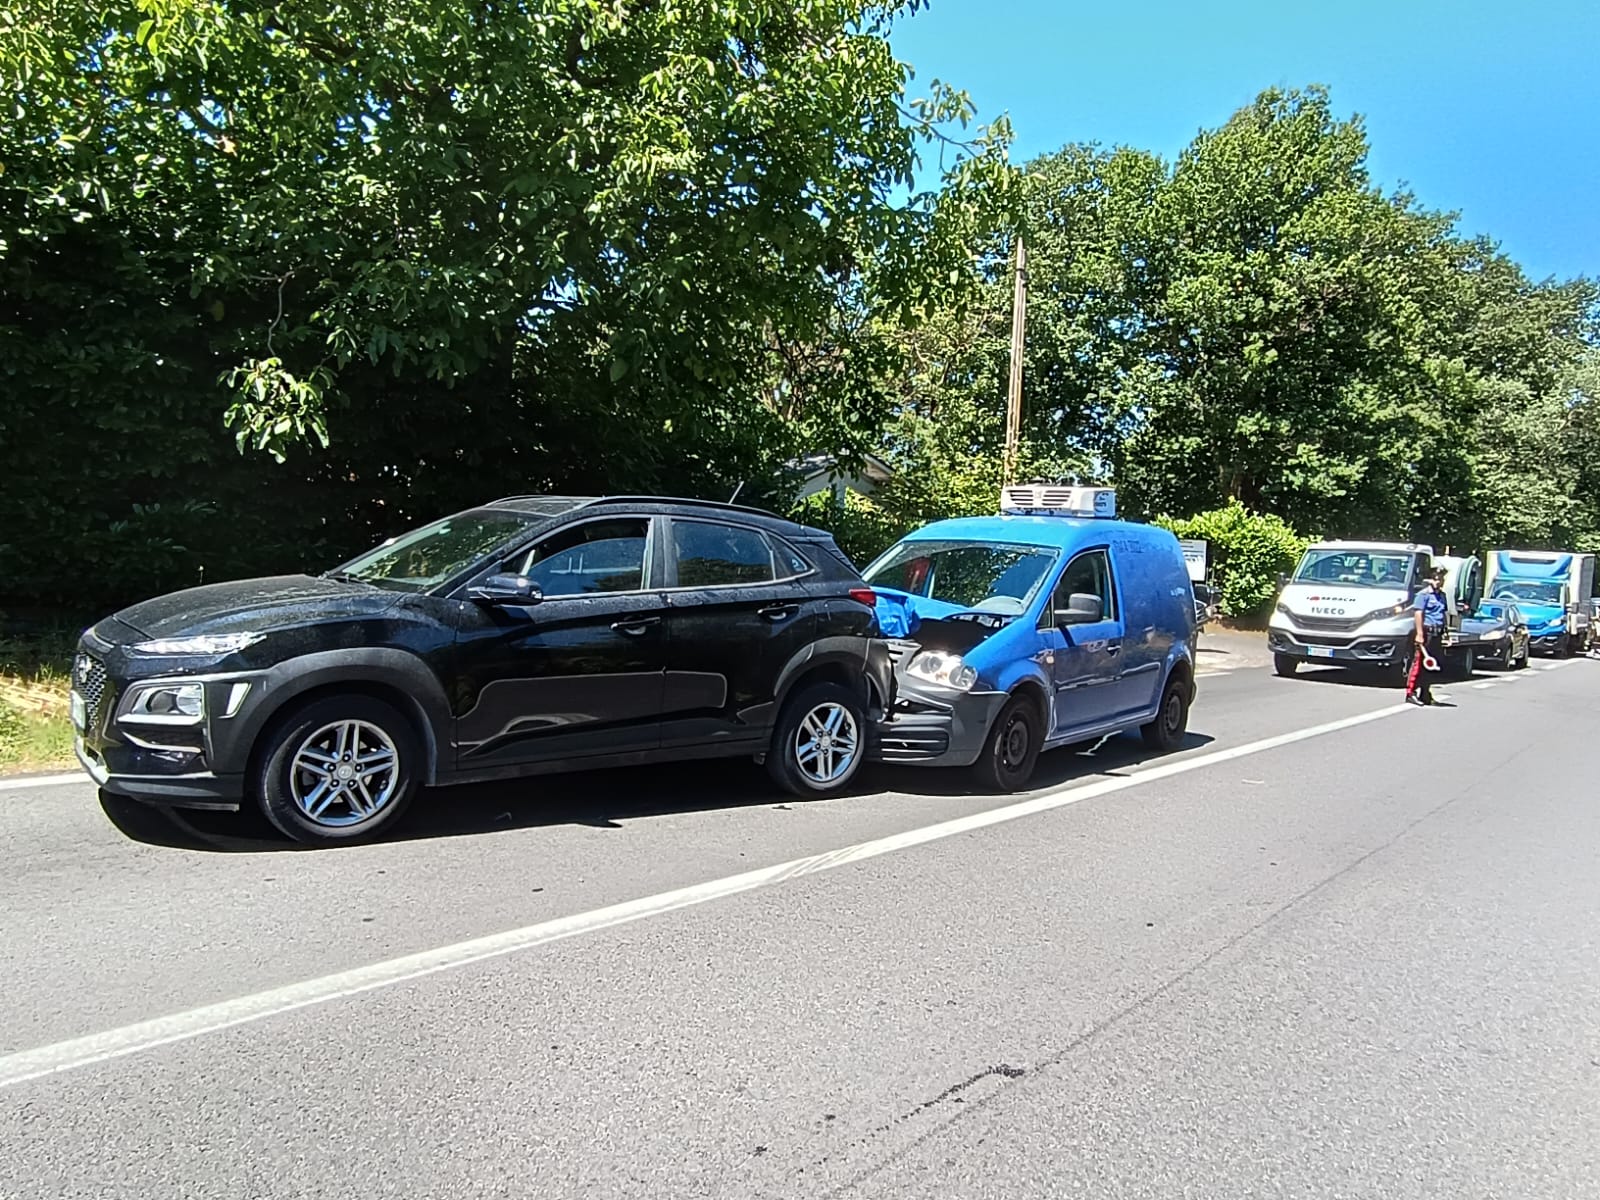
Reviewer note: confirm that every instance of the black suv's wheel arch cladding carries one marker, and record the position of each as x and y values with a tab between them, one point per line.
830	660
393	676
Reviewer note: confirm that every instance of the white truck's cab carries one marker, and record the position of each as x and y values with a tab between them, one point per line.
1349	604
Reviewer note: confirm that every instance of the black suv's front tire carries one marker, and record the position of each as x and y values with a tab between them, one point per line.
820	740
338	770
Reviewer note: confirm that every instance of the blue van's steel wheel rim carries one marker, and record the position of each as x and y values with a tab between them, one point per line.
345	773
1172	712
826	743
1014	742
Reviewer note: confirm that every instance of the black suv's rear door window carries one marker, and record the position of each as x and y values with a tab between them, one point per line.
710	554
597	556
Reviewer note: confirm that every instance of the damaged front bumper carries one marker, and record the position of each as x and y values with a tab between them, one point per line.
943	729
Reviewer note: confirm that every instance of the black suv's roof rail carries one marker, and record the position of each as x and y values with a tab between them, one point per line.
688	503
577	501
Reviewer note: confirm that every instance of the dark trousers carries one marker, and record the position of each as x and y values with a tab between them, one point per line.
1417	675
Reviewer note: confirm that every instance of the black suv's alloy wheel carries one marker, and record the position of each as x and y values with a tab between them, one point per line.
339	769
820	741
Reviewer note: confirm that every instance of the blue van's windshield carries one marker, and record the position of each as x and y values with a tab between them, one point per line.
972	575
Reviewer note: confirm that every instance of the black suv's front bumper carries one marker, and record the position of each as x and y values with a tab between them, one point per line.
189	762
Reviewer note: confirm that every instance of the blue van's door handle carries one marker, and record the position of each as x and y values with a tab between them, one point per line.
1113	647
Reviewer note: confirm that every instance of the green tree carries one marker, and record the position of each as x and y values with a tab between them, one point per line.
431	251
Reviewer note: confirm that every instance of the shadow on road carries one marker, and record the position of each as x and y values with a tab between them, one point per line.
606	799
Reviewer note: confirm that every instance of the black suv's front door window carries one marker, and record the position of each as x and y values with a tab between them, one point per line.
598	556
711	555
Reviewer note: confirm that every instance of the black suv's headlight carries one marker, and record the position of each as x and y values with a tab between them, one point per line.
194	647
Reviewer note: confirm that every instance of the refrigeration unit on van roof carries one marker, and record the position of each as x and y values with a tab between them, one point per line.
1053	500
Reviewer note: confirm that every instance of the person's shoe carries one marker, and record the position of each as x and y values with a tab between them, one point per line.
1413	698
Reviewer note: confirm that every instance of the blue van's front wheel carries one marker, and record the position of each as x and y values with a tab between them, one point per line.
1012	747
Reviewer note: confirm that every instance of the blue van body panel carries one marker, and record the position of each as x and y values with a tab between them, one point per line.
1089	680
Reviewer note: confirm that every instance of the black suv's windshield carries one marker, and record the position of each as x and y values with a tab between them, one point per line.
1530	591
974	575
426	557
1356	568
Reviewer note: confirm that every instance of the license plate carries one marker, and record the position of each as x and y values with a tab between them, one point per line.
1320	651
80	714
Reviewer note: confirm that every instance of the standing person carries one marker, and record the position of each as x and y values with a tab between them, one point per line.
1428	611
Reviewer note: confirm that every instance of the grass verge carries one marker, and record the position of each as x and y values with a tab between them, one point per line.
35	726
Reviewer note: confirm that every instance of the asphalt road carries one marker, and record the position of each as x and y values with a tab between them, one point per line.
1335	948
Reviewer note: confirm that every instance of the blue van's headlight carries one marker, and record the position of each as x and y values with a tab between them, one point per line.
947	670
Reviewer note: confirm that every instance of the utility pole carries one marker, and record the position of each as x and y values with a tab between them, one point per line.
1019	319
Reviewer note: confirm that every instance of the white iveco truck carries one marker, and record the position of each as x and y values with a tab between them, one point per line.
1348	604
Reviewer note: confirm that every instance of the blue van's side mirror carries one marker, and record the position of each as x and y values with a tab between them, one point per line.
1083	608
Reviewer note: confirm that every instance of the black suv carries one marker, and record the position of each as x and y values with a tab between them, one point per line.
536	633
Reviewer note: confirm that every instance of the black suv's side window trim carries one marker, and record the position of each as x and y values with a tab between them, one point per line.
773	542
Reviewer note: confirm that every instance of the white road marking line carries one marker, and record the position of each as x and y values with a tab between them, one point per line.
20	785
1491	683
213	1018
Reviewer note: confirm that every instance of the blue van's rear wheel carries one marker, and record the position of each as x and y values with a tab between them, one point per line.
1166	732
1011	749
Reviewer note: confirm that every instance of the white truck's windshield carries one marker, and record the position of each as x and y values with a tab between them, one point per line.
1356	568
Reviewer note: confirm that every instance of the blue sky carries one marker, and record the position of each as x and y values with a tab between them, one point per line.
1491	110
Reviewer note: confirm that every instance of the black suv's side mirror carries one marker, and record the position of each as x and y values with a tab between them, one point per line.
511	591
1083	608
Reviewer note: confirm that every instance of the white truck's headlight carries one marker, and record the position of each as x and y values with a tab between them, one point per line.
215	643
947	670
169	700
1392	610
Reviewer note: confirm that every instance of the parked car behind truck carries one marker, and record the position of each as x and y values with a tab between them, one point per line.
1552	588
1050	624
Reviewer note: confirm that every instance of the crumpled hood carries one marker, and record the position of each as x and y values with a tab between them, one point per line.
254	605
934	625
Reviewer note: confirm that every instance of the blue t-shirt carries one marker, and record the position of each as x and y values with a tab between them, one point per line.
1430	603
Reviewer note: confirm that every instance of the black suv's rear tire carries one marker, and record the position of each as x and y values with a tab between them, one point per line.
339	770
820	740
1012	748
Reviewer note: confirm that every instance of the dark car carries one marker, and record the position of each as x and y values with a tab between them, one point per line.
1503	632
533	634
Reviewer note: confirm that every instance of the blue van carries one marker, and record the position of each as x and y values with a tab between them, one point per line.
1050	624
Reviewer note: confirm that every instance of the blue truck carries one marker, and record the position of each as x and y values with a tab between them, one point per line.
1552	590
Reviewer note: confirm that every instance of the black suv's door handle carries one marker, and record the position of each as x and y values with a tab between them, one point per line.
635	628
778	612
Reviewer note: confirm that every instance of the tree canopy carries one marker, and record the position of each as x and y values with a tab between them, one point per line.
278	279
